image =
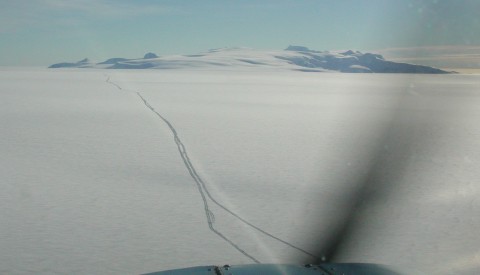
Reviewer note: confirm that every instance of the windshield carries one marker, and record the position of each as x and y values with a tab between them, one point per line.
140	136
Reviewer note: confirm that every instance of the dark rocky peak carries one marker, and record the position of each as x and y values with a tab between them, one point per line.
114	60
349	52
297	49
150	55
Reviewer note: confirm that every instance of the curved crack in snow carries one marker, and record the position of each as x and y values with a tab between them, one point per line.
202	188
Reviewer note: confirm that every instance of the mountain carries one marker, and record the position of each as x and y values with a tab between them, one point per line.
150	55
298	58
354	62
113	60
80	64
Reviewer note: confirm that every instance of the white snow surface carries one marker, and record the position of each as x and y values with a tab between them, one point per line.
93	183
220	59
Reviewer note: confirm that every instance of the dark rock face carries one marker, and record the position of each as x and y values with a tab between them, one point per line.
63	65
80	64
113	61
297	48
150	55
354	62
132	66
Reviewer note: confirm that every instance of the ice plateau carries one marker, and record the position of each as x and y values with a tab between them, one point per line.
297	58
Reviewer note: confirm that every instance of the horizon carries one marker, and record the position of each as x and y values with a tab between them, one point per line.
430	32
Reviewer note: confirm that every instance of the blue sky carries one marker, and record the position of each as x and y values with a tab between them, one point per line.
41	32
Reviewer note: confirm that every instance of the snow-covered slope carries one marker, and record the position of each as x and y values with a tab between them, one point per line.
293	58
80	64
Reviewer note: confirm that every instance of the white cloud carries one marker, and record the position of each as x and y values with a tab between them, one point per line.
103	7
16	15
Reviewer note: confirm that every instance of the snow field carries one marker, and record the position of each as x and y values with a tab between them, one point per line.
93	181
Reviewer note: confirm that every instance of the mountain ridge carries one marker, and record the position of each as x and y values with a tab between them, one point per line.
297	58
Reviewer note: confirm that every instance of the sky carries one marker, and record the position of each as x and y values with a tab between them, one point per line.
42	32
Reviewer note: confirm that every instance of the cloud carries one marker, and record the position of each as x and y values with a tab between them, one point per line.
17	15
103	7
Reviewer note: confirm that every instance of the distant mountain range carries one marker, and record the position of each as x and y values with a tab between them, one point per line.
297	58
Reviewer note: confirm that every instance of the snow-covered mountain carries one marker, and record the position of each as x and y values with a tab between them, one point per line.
80	64
297	58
